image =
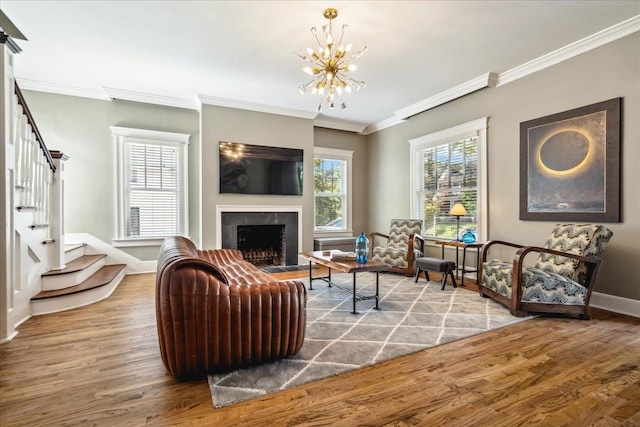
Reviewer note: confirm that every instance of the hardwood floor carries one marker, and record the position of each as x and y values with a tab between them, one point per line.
100	365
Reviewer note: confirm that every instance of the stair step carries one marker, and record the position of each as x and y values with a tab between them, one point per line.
102	277
76	265
73	251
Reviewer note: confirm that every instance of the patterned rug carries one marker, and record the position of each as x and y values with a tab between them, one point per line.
412	317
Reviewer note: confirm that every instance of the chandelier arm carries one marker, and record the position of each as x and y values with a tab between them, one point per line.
310	60
315	36
305	87
359	54
342	33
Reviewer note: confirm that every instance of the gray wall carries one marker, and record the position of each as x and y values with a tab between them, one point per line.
80	128
607	72
250	127
330	138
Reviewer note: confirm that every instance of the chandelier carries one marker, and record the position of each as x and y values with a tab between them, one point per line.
329	66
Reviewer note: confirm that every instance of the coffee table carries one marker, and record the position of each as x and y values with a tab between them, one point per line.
324	258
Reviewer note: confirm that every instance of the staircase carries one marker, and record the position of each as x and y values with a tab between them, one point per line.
85	279
39	273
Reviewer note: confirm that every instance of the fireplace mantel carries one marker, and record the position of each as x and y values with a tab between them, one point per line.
220	209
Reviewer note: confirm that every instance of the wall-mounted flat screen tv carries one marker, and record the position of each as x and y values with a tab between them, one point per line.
257	169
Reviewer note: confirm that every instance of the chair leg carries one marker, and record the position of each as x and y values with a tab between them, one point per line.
449	272
518	313
417	275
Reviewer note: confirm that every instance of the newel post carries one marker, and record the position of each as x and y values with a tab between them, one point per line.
56	220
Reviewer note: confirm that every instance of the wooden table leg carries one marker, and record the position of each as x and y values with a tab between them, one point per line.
464	260
377	288
354	294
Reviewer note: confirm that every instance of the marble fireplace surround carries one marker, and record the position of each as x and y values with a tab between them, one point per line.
291	216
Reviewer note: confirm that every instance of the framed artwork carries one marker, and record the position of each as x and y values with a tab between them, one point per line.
570	165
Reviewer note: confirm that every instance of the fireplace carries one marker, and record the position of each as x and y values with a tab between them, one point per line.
262	245
266	238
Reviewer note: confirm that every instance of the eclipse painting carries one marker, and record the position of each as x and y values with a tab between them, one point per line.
570	164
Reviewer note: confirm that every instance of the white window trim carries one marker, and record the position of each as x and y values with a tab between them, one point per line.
120	136
476	128
347	156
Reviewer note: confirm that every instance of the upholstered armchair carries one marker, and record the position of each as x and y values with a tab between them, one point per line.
401	246
560	281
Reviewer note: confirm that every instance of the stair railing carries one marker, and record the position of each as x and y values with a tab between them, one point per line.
37	188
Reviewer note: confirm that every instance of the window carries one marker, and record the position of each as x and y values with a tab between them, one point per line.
449	167
332	190
152	195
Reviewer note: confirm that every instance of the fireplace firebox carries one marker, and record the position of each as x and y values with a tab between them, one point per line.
262	245
265	238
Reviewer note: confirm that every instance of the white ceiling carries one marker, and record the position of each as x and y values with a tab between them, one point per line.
245	50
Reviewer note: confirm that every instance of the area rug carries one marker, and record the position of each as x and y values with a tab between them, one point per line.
412	317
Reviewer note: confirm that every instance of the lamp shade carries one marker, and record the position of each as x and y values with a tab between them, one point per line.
458	210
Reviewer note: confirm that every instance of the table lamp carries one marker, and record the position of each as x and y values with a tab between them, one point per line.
458	210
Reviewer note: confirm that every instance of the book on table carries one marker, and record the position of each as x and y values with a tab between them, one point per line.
342	256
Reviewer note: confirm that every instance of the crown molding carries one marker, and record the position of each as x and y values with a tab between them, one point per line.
593	41
383	124
7	40
486	80
27	84
339	125
149	98
586	44
252	106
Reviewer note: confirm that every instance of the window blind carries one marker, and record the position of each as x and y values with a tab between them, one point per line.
447	174
151	193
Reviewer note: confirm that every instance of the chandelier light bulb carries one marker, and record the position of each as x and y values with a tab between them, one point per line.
330	65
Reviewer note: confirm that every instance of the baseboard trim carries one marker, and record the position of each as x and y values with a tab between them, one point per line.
114	255
628	306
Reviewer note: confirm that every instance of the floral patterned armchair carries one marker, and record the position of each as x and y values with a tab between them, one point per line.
403	245
562	278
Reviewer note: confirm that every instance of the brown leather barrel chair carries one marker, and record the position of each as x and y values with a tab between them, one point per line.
216	312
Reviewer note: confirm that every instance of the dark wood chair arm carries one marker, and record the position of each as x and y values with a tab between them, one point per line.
525	250
410	253
373	235
421	239
486	246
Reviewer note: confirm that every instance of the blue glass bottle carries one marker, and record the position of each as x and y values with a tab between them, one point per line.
362	249
468	237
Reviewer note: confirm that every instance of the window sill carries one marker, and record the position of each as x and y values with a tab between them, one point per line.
133	242
341	233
